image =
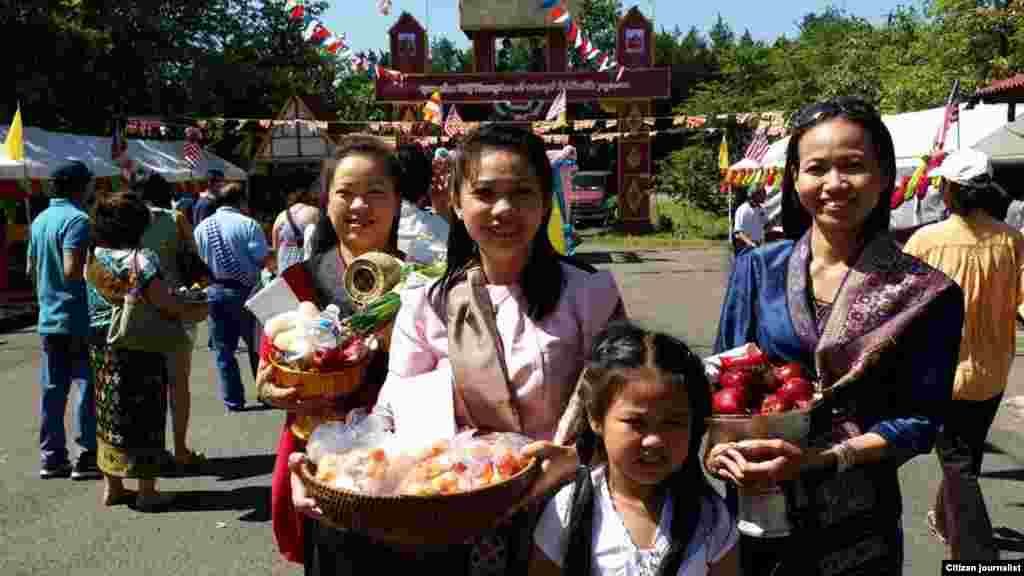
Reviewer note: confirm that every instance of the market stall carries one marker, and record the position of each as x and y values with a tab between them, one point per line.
23	183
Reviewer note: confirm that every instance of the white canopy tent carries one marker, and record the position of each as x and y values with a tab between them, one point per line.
913	134
1006	145
45	151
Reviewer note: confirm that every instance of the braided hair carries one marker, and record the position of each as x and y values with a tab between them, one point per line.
620	347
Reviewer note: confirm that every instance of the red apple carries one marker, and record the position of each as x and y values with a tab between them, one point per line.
729	401
774	403
739	379
787	371
768	381
796	389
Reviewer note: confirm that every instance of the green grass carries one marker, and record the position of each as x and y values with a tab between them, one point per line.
689	222
680	226
657	241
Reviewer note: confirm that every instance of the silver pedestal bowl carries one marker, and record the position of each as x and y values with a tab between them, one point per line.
762	510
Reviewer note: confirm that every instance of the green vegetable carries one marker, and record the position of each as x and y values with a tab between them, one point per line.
433	270
376	314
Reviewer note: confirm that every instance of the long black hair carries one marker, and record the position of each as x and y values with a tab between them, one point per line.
795	219
417	171
542	279
620	347
325	237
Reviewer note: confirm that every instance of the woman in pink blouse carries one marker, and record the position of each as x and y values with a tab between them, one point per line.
498	342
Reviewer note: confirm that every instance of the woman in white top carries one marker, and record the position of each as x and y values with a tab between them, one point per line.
290	228
647	508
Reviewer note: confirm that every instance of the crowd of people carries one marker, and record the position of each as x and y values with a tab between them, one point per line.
522	339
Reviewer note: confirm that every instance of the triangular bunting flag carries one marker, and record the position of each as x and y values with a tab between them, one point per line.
14	145
432	110
295	9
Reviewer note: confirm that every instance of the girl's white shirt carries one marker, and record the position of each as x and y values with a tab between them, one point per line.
613	552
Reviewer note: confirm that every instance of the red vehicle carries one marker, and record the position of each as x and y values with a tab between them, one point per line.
588	198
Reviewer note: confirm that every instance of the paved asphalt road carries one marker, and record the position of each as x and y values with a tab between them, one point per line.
220	521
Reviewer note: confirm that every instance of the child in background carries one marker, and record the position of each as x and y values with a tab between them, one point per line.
647	507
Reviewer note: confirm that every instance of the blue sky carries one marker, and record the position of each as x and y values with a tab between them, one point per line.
366	28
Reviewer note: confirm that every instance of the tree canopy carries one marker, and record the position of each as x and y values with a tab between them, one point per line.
907	62
78	62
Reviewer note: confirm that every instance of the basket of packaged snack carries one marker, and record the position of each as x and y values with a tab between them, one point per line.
324	354
367	479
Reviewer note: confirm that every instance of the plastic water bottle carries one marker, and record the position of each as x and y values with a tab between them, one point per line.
326	330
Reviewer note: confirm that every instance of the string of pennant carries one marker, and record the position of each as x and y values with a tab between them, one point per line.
772	122
574	34
314	31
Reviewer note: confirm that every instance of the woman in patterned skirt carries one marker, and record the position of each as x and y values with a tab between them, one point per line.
131	386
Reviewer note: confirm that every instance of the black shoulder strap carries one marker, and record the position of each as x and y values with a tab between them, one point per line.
295	228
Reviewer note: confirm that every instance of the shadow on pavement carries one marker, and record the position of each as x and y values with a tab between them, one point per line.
255	500
233	468
1008	539
1017	474
594	258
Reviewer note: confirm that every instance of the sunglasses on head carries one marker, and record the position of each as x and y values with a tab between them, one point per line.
851	107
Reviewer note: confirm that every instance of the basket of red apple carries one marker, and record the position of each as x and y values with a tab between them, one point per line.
755	397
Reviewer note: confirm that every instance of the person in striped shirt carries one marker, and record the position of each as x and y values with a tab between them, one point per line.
234	248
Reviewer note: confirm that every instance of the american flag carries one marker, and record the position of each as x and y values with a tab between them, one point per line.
557	107
758	146
118	145
453	124
192	154
952	115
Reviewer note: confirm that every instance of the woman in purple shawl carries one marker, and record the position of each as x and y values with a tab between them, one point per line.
879	329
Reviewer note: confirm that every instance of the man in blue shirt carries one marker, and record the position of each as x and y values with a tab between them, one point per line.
234	248
57	248
207	202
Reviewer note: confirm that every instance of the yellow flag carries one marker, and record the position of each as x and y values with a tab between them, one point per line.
432	110
14	146
723	155
555	232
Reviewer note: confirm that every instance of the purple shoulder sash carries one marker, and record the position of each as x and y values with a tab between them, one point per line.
886	290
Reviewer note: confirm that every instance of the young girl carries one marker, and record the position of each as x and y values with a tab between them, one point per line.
499	341
647	507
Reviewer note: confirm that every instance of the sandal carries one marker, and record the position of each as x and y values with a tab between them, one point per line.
155	503
115	497
933	527
191	462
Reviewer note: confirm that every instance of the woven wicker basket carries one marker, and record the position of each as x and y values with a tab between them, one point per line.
420	520
323	384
